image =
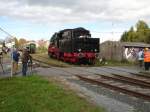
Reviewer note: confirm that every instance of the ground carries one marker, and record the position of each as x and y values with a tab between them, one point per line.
35	94
110	100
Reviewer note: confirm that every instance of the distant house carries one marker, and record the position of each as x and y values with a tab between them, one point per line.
42	43
8	44
114	50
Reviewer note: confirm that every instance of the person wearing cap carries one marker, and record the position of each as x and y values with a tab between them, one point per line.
146	58
25	58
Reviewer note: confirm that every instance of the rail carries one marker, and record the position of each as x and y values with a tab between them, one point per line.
114	87
122	79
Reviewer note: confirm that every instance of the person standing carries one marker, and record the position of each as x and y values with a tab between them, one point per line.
26	57
146	59
140	57
15	56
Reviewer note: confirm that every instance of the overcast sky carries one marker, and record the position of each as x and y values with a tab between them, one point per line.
36	19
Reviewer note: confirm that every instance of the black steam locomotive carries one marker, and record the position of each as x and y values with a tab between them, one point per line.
74	45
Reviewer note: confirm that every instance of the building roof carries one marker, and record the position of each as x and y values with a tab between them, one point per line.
129	44
135	44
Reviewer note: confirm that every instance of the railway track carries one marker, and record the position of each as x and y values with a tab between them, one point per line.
140	74
127	80
123	86
134	78
137	84
49	62
37	60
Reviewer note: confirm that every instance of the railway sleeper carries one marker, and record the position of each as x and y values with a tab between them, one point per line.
126	81
116	88
132	79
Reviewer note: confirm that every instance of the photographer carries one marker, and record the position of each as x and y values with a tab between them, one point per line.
26	57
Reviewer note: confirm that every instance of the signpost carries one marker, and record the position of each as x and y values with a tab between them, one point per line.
1	56
12	49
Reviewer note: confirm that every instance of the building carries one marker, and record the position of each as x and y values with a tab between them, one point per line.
114	50
42	43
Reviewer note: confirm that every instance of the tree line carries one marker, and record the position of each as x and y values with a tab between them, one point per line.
138	33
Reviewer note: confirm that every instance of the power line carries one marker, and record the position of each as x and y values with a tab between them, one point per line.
146	30
6	32
106	32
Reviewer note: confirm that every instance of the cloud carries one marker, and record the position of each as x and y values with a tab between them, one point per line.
77	11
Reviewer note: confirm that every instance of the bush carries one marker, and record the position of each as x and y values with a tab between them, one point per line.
42	49
124	61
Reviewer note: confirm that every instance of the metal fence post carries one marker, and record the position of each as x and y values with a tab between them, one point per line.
12	48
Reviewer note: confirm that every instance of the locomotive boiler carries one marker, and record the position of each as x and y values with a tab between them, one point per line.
74	46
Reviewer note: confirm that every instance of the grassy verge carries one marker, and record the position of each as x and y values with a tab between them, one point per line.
45	58
115	63
35	94
57	63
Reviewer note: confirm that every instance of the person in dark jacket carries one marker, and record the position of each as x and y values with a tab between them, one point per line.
26	57
140	57
15	56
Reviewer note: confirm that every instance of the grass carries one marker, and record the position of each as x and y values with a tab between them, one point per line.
35	94
145	73
115	63
54	62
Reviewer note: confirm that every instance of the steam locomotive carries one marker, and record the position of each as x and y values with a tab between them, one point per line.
74	46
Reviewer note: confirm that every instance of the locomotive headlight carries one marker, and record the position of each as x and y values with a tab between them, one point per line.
95	50
79	50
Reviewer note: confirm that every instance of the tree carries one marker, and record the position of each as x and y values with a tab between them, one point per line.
16	42
141	25
124	37
141	34
42	45
22	41
142	31
129	36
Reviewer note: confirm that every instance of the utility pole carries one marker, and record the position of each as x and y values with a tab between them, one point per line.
12	49
112	45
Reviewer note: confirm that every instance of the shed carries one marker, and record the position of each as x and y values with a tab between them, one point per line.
115	50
